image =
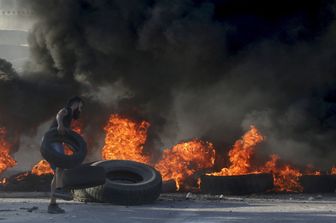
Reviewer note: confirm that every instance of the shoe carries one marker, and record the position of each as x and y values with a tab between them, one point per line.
62	194
55	209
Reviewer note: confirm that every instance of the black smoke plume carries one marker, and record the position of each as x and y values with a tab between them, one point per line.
193	68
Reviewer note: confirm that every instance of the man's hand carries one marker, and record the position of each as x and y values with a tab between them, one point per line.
60	115
61	129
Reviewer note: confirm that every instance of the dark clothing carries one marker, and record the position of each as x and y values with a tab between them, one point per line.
67	124
66	119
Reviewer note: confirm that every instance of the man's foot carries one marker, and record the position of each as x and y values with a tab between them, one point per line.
62	194
55	209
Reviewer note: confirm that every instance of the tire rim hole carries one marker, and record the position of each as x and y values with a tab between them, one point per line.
63	148
126	177
68	149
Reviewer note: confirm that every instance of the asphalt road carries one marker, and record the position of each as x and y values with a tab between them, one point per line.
178	209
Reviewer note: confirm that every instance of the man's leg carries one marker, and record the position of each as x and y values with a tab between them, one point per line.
59	192
53	208
52	190
59	177
57	184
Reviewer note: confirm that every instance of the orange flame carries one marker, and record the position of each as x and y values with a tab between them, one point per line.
333	171
42	168
67	150
185	159
77	126
311	171
241	153
286	178
3	181
6	161
21	176
125	139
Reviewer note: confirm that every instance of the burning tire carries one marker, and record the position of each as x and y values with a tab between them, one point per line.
127	183
318	184
73	140
242	184
83	177
169	186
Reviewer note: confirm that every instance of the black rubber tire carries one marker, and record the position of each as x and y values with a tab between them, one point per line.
168	186
60	160
127	183
318	184
237	185
83	177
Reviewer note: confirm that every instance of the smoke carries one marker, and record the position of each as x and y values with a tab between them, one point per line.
193	68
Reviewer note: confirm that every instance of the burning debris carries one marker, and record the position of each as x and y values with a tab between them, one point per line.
286	178
185	159
6	161
77	126
125	139
168	71
27	182
42	168
333	171
241	154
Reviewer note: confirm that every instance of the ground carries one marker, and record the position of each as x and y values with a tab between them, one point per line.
177	208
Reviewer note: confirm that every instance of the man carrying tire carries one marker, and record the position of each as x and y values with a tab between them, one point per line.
62	122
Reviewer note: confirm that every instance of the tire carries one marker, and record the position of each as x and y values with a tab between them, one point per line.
169	186
318	184
127	183
237	185
73	139
83	177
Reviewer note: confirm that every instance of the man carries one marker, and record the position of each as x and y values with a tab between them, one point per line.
63	123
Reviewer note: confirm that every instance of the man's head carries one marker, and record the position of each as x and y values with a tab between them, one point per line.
76	104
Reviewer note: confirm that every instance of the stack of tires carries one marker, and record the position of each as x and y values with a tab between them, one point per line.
119	182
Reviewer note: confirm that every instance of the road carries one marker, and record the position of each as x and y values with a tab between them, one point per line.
178	209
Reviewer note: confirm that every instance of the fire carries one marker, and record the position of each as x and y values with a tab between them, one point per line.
3	181
67	150
286	178
125	139
185	159
241	153
333	170
6	161
77	126
42	168
311	171
21	176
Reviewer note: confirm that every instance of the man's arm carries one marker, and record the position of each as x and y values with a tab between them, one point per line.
59	118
